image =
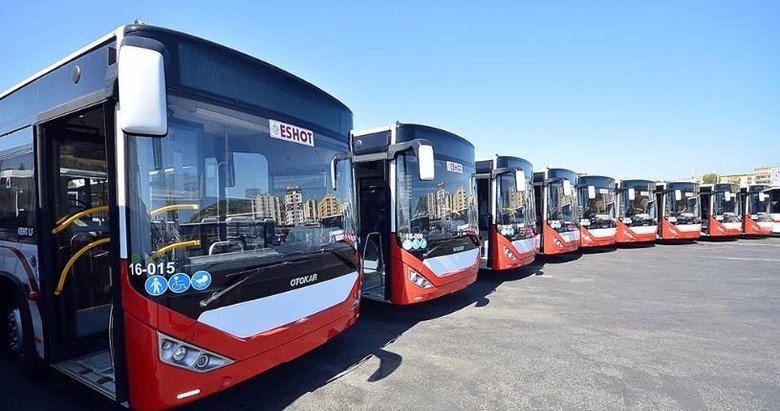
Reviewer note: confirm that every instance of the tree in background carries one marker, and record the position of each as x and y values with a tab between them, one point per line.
709	178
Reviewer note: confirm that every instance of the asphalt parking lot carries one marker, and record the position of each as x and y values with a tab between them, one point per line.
686	326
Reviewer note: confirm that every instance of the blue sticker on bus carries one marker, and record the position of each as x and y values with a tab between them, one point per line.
156	285
179	283
201	280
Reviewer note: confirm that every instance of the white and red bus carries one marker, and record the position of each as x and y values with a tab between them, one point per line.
556	210
160	246
774	208
721	214
636	211
755	203
679	214
417	212
596	197
507	220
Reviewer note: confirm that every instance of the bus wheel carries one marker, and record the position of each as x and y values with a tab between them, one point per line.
19	340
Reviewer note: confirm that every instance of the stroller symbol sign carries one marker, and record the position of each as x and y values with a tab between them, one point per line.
179	283
155	285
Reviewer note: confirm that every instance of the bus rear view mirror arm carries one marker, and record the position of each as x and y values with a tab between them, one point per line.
422	149
142	98
333	163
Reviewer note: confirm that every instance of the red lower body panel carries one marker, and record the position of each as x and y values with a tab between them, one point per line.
559	243
155	385
719	229
522	255
753	227
406	292
670	231
626	234
597	238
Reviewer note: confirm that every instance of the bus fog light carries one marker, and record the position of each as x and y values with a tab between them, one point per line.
202	362
419	280
179	354
187	356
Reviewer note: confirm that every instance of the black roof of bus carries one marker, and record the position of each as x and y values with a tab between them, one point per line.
486	166
636	182
408	132
570	175
135	28
601	181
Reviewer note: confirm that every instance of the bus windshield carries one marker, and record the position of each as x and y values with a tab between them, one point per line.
515	214
599	211
219	192
641	208
726	209
756	207
686	209
560	207
436	210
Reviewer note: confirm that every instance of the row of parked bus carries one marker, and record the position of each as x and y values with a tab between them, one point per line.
177	217
558	211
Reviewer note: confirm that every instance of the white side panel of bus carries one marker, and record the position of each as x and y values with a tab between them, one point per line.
250	318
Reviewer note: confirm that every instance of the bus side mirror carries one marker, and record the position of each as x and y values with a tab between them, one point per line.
142	100
761	197
631	194
425	162
591	192
520	183
677	195
566	187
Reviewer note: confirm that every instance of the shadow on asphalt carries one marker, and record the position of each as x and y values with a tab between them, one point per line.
558	258
379	325
629	246
598	250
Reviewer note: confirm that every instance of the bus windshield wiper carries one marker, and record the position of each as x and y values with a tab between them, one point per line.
246	276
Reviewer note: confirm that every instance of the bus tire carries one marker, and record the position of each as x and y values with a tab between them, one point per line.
19	336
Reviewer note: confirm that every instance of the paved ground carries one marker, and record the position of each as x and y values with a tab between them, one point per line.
693	326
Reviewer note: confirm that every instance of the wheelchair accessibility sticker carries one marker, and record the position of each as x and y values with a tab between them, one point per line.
179	283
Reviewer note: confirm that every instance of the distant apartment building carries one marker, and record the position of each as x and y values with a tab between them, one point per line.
293	206
330	207
267	205
769	175
310	211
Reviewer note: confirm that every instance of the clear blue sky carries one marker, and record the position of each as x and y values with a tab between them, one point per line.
658	89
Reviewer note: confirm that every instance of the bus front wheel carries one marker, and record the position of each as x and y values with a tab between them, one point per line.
19	337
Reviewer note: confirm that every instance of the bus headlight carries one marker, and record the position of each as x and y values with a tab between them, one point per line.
672	219
419	280
627	221
187	356
509	253
584	222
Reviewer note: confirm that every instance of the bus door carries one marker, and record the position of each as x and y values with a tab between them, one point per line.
374	203
77	281
484	194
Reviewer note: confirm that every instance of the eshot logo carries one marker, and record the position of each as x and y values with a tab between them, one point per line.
454	167
291	133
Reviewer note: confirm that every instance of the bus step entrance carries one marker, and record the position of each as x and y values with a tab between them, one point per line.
93	370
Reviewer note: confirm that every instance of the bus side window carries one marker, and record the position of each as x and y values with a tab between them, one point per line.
17	170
